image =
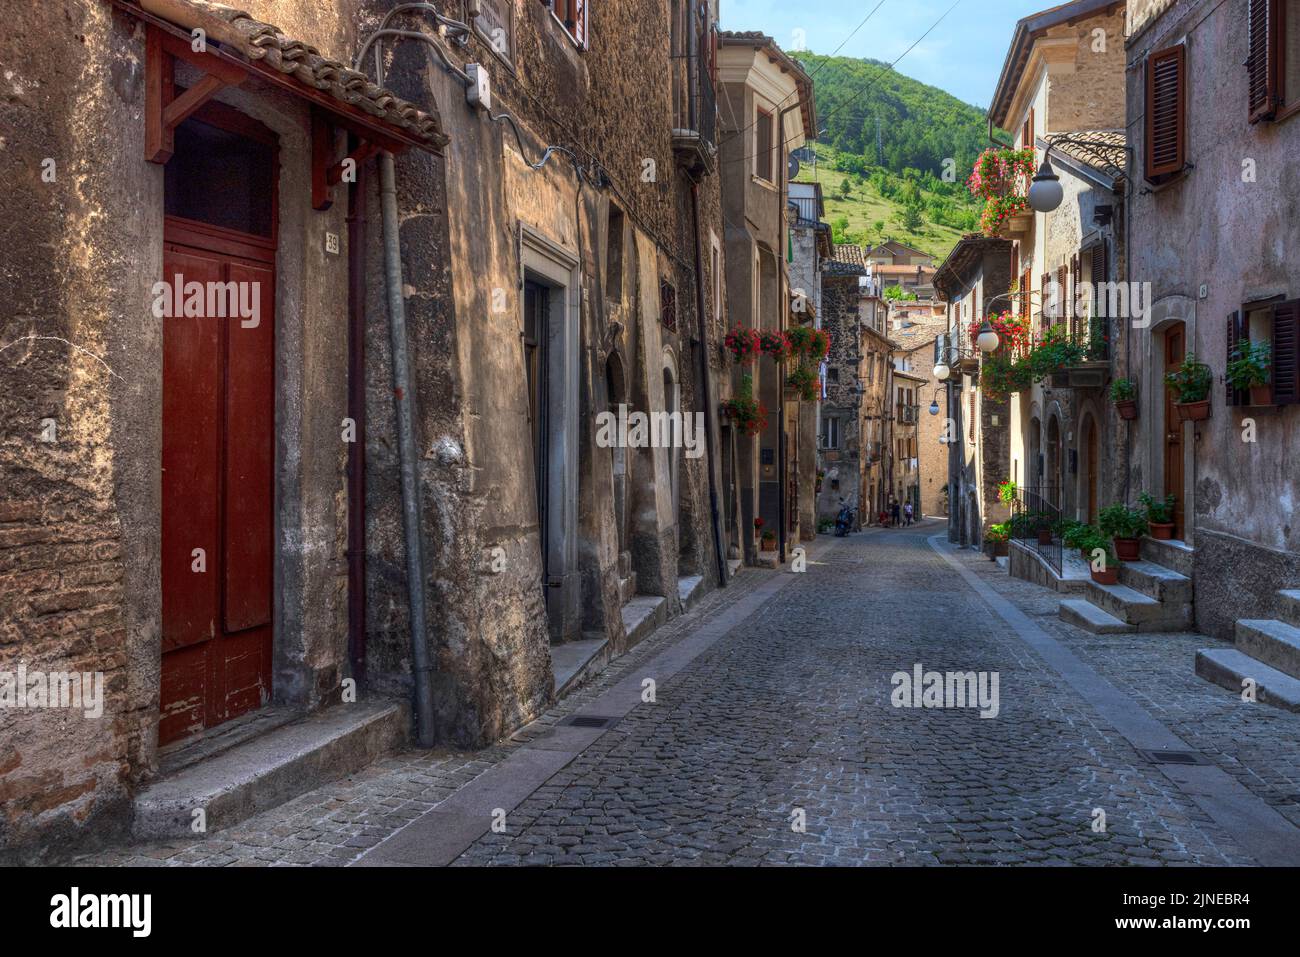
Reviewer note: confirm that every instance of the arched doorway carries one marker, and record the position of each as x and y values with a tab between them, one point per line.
616	393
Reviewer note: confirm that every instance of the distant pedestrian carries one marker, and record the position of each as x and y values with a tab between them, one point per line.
894	513
907	514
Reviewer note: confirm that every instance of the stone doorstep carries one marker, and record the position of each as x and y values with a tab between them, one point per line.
1275	643
270	769
1086	615
1290	605
642	615
1171	553
1135	608
573	662
1228	667
689	590
1156	581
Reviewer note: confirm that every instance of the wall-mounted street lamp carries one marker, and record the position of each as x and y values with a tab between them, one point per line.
1045	192
986	340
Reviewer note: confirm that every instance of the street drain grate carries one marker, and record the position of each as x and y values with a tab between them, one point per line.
1175	757
589	721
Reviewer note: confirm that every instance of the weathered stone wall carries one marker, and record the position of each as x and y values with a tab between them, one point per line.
1236	238
839	318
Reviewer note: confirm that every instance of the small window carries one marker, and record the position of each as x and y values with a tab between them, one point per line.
614	254
1273	59
668	304
573	14
763	146
831	435
1166	114
221	178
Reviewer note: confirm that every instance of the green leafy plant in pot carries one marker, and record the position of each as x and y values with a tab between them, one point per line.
997	539
1125	526
1191	383
1124	394
1160	515
1104	568
1249	369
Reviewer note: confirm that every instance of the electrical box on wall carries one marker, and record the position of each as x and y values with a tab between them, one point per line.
479	91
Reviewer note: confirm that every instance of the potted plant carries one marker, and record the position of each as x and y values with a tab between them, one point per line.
1109	572
742	343
769	541
773	343
1125	526
1124	394
1249	369
1080	536
1007	492
1191	383
1160	515
997	539
1043	527
803	381
744	411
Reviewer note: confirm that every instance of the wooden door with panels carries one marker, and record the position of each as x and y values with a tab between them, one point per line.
1175	349
218	422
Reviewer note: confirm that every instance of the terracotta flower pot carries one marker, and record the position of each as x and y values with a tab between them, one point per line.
1109	577
1085	554
1193	411
1162	531
1127	408
1261	395
1127	549
1044	536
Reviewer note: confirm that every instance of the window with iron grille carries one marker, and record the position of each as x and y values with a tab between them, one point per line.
668	304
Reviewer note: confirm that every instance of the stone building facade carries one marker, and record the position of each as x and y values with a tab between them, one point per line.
916	335
561	255
974	280
1217	236
1062	87
766	111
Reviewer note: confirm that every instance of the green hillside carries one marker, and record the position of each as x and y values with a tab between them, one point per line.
903	148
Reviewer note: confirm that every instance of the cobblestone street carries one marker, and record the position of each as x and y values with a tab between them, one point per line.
787	718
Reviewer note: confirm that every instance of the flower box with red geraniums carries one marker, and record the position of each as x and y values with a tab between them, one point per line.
774	344
743	344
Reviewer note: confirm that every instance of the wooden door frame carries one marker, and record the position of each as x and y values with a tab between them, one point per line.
1171	427
181	234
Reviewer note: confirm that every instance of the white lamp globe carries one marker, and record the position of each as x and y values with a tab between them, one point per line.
941	371
1045	192
988	339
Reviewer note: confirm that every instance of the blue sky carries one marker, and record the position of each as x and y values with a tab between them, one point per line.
963	55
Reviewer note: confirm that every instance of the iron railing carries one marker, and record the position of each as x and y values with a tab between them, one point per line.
1036	521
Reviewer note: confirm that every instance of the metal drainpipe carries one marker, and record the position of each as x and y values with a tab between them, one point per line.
402	401
356	471
710	409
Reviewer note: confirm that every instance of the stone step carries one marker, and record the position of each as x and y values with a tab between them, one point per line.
1171	553
269	769
573	662
642	615
690	590
1131	606
1086	615
1156	581
1228	667
1271	641
1290	605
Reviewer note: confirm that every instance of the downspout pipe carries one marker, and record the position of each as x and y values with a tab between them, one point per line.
403	395
710	403
782	304
356	472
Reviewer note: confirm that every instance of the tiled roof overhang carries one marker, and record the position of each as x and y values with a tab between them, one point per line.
261	50
1028	30
953	272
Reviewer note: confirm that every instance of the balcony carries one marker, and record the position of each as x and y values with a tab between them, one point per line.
807	216
1090	370
694	99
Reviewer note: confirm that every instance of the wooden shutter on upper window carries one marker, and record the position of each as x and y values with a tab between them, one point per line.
1286	353
1236	329
1166	109
1263	60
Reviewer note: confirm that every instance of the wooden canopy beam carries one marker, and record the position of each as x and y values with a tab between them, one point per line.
164	110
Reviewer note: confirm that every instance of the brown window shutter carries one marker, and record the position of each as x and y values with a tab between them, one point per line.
1286	353
1044	284
1062	307
1166	109
1026	282
1099	262
1262	62
1236	333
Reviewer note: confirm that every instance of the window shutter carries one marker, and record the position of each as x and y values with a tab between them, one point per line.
1099	262
1286	353
1262	62
1236	334
1062	272
1166	125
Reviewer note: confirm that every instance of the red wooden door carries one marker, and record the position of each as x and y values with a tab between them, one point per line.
218	432
1175	347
